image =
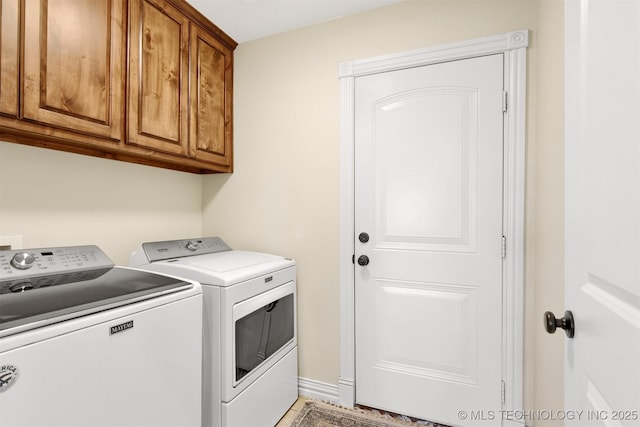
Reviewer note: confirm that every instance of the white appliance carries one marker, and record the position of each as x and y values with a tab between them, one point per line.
85	343
250	359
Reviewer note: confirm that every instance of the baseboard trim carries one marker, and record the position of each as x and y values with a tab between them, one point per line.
317	390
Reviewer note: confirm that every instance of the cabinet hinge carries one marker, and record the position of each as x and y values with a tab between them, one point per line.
504	247
503	392
504	101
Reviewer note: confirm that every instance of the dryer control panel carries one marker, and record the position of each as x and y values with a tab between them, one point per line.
23	263
158	251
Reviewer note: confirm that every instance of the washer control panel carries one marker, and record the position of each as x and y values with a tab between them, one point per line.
40	261
157	251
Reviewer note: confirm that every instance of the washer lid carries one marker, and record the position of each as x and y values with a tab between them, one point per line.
222	268
230	261
28	303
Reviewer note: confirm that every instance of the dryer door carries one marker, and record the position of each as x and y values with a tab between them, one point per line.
263	325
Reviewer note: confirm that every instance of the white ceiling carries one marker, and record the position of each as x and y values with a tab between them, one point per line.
246	20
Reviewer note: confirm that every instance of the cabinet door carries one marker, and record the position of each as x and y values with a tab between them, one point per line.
73	65
211	119
9	55
158	77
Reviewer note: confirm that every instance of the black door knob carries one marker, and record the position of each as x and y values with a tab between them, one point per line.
363	237
567	323
363	260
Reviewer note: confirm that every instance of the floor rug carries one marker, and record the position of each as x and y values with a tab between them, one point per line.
319	414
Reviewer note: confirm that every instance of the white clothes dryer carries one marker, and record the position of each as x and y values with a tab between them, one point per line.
250	349
85	343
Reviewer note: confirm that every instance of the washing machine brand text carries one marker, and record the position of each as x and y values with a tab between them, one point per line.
8	376
121	327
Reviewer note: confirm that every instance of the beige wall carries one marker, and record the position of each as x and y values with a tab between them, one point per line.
545	234
283	196
51	198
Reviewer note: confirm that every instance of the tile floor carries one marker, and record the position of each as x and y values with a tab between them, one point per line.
292	413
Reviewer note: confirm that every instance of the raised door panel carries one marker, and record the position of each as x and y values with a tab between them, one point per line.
158	77
9	56
429	204
73	65
210	133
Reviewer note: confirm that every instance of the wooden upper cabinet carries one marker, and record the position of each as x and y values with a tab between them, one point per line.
74	66
158	77
9	56
211	100
144	81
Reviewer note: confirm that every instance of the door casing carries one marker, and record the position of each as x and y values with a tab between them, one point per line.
513	45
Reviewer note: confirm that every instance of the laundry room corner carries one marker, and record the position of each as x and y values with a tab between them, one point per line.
278	124
283	195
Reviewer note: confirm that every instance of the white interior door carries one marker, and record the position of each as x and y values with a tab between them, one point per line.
602	361
428	194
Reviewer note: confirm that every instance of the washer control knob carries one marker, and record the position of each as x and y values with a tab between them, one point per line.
22	260
191	245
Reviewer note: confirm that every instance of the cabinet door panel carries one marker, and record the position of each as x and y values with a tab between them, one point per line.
9	55
73	65
211	99
158	85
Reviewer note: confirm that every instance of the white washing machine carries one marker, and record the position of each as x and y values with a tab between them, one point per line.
85	343
250	359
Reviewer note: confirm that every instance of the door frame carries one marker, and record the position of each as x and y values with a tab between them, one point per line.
514	47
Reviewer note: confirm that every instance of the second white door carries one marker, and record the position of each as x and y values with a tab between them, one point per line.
428	221
602	213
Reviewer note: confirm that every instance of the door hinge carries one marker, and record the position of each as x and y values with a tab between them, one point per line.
504	101
353	259
504	247
503	392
